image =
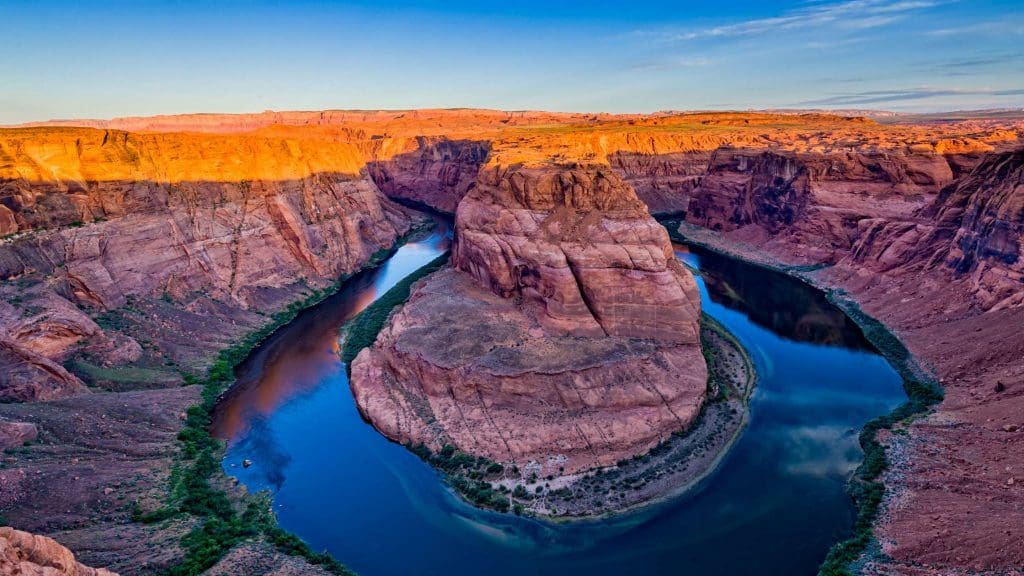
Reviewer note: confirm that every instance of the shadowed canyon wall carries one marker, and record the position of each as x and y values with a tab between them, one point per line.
127	217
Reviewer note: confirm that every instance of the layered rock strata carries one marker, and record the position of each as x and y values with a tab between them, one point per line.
812	201
122	222
565	334
128	261
437	174
947	278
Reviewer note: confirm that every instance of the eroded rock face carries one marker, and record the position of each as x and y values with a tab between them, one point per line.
974	230
29	376
565	334
947	278
664	182
32	555
580	245
14	434
814	201
182	242
438	173
231	240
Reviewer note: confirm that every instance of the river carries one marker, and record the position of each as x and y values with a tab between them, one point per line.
774	506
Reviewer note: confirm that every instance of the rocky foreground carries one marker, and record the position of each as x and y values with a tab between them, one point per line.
26	554
133	251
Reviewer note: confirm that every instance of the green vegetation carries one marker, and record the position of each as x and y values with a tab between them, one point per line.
710	352
362	330
219	526
194	492
866	487
470	476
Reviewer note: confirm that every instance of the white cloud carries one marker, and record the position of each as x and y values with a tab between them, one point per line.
905	94
850	14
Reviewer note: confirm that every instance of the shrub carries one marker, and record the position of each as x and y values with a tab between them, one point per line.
362	330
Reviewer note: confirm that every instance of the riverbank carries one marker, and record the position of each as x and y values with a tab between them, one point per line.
867	487
673	467
130	479
198	485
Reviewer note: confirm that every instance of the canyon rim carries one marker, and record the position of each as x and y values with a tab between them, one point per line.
749	299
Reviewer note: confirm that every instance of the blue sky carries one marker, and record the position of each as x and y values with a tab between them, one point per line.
80	59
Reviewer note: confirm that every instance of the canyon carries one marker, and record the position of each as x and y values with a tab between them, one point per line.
564	332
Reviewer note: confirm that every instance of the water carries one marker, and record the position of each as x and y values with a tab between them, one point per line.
774	506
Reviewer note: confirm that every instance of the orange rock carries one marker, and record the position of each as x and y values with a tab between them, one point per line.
33	555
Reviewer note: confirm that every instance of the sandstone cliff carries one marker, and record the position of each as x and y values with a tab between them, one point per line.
565	335
947	278
437	173
973	230
208	226
812	201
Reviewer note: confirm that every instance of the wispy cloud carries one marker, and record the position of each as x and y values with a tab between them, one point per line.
849	14
902	95
675	63
982	61
978	65
1009	27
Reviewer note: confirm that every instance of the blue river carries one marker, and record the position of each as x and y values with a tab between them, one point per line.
773	507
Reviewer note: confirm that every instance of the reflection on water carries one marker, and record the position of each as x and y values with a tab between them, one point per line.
774	300
775	505
297	358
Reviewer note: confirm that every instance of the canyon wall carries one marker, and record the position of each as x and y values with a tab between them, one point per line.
664	182
565	335
814	202
181	225
947	277
973	230
436	174
129	261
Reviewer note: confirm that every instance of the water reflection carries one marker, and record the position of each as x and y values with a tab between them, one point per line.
774	300
299	357
775	505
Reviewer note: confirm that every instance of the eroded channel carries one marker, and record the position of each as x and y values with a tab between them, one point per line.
774	506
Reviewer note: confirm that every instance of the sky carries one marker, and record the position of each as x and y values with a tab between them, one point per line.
99	60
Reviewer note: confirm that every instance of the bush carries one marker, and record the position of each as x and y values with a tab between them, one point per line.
361	331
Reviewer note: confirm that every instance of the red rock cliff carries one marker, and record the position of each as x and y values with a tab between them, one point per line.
973	231
566	333
221	227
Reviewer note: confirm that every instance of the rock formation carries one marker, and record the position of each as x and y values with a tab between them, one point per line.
947	278
15	434
128	260
134	249
566	333
974	229
25	554
243	222
813	201
437	174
